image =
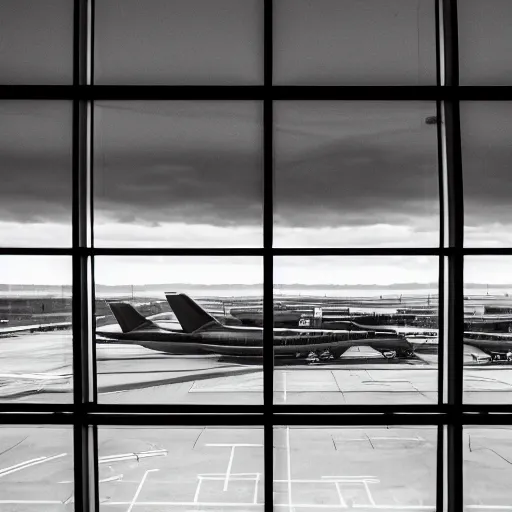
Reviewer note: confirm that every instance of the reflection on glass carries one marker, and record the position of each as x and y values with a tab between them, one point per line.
166	330
185	42
485	44
37	42
36	468
488	329
366	468
352	174
354	42
35	151
486	129
182	468
36	360
364	329
180	174
487	470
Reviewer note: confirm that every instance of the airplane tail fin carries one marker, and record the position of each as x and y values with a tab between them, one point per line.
189	313
127	316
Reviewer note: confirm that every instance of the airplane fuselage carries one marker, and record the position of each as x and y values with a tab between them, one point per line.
248	341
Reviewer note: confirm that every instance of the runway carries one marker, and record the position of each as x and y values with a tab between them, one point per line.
222	469
38	368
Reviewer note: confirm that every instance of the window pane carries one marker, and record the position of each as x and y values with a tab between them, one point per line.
485	44
488	329
37	42
353	174
486	130
188	42
35	155
193	349
192	468
368	330
36	361
178	174
366	468
487	469
36	468
354	42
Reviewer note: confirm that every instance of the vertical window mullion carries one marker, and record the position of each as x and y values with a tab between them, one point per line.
452	159
85	495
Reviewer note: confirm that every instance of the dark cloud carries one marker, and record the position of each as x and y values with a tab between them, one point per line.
486	129
35	161
355	164
199	162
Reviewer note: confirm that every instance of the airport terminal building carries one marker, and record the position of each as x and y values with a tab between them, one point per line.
255	255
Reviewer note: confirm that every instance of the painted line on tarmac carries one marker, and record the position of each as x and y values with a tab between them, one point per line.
28	464
288	461
140	488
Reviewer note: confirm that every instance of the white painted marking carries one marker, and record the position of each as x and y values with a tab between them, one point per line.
339	480
370	497
111	479
127	456
196	495
27	464
140	488
344	477
228	471
22	464
232	444
284	386
33	376
29	502
340	496
432	508
256	483
289	464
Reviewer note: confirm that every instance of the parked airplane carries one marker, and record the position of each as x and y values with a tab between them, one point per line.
202	333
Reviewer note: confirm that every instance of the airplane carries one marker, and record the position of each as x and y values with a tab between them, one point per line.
497	345
201	333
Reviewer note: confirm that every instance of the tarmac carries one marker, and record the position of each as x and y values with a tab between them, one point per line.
222	469
38	368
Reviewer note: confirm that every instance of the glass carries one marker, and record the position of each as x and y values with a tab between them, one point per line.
487	470
344	468
486	128
36	468
484	42
166	332
178	174
354	42
35	196
487	329
36	361
37	42
183	468
364	330
355	174
179	42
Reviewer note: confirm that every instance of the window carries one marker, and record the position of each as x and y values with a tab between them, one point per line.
325	179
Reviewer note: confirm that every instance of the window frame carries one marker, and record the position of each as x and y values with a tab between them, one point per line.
450	414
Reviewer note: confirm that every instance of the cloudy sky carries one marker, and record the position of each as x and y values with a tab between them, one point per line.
205	42
354	42
136	270
178	173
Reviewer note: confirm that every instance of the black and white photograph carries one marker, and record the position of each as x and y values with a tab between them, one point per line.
255	255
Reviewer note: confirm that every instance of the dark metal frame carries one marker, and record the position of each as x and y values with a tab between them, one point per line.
85	414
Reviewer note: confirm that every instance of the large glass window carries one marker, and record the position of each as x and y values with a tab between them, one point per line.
254	255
